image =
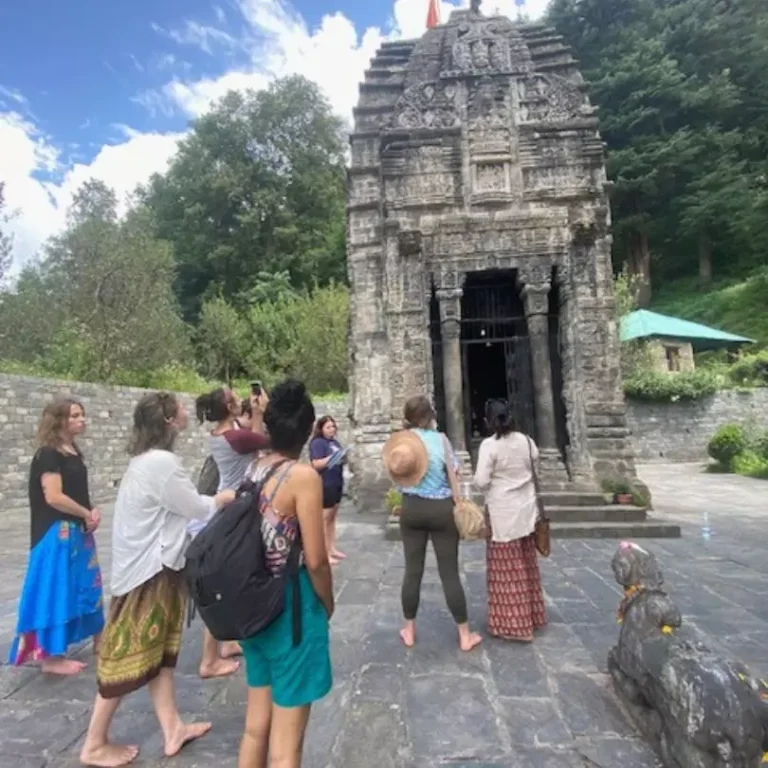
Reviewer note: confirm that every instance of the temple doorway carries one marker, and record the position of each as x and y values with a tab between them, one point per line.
496	355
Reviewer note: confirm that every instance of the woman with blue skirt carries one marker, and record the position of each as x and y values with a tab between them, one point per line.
61	602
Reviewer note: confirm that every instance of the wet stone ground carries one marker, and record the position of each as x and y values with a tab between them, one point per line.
549	705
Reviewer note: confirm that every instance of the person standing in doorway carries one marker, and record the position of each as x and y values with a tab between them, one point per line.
420	461
505	468
61	602
142	637
234	449
322	452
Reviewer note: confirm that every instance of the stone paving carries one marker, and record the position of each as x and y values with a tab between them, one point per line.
549	705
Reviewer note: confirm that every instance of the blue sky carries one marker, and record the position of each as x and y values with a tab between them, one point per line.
105	88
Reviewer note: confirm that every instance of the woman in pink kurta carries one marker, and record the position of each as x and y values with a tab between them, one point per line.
505	473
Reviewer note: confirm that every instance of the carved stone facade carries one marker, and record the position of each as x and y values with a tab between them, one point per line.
475	156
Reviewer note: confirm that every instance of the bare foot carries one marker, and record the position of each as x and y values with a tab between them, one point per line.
408	636
468	642
55	665
219	668
108	755
339	555
184	736
230	649
333	560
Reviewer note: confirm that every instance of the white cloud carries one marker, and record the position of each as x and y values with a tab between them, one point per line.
277	42
41	206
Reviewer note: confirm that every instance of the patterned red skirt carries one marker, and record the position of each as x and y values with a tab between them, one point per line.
515	599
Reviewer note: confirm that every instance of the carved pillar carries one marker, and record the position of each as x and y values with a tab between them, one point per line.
536	300
450	332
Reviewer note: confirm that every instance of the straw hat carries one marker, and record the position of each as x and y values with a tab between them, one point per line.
405	457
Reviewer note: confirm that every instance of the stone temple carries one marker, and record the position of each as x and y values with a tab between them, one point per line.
479	250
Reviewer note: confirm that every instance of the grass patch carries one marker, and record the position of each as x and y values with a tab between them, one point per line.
736	306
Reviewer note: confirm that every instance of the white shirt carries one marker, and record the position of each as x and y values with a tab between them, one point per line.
155	501
505	473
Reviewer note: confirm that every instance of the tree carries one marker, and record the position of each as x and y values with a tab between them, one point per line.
685	118
100	306
6	240
257	187
222	340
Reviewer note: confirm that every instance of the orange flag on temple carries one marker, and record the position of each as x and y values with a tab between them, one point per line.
433	15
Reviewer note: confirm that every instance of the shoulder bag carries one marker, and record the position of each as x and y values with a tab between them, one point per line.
469	518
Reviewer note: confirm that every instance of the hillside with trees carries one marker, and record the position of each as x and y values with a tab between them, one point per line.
684	113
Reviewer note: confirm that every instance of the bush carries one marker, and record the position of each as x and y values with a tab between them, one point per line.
669	388
750	464
760	445
393	500
727	443
750	370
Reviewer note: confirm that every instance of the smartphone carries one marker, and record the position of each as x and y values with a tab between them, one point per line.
256	388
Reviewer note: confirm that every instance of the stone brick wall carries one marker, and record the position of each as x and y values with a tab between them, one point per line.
109	412
681	431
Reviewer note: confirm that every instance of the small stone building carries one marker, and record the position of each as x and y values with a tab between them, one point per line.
479	249
672	342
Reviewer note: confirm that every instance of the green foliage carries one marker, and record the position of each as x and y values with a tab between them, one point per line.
684	112
750	370
750	464
257	188
222	340
101	304
6	240
727	443
658	387
760	445
393	500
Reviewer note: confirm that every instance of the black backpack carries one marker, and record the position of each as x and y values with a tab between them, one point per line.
236	595
208	482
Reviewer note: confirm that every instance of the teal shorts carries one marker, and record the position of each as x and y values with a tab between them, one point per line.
300	675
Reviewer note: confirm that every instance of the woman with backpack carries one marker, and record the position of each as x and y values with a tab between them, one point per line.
233	449
141	640
288	664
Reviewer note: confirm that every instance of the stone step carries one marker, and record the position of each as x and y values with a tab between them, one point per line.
606	513
648	529
572	498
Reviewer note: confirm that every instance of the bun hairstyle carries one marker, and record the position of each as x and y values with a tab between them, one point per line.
289	417
213	406
499	418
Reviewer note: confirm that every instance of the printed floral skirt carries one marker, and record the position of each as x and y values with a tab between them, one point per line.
142	635
61	602
515	599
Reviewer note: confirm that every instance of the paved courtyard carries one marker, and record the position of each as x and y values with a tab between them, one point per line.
548	705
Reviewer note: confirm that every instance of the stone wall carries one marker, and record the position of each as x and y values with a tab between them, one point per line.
109	412
680	431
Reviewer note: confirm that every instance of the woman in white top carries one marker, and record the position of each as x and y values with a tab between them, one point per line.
505	471
141	640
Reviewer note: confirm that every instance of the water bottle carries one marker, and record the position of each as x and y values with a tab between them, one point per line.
706	530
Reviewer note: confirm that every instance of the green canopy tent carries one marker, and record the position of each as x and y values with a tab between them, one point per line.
643	324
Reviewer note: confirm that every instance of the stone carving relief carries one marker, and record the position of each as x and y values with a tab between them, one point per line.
426	105
480	48
550	98
488	106
491	177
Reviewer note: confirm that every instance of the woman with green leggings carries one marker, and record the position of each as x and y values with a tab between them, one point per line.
417	460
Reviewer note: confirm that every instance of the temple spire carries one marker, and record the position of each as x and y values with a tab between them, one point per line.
433	14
